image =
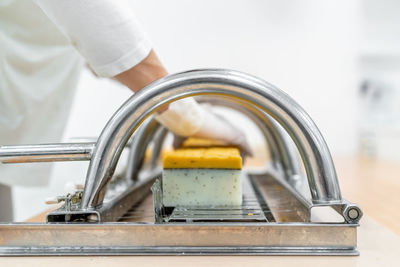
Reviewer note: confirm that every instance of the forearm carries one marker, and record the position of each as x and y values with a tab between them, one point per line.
144	73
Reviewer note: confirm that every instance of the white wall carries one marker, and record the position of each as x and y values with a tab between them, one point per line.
307	48
380	65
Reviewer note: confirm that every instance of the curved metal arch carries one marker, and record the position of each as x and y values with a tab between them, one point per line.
315	154
143	136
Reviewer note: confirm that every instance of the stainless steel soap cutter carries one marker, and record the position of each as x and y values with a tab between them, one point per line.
119	215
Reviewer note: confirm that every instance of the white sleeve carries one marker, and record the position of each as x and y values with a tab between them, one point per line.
105	32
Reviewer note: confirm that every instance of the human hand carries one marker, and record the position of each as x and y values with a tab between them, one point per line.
186	118
217	127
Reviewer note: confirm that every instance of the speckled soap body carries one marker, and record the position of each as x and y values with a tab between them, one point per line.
202	177
201	187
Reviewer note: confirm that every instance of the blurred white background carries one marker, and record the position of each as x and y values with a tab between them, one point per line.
319	52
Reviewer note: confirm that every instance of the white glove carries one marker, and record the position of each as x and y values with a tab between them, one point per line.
186	118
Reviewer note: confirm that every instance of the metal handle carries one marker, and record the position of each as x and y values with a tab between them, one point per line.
46	152
242	87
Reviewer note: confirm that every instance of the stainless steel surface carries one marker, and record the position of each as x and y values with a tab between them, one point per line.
118	202
114	209
231	238
141	212
158	207
315	154
285	204
46	152
158	143
143	136
6	204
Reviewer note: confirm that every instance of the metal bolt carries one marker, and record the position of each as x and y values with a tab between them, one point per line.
353	214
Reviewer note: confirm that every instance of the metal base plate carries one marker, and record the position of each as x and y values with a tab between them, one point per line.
178	251
178	239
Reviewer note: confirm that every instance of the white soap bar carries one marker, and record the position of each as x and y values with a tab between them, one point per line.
201	187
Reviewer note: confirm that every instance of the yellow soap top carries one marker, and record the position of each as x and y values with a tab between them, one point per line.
203	158
202	142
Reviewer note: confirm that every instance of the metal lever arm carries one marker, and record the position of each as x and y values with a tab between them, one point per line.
46	152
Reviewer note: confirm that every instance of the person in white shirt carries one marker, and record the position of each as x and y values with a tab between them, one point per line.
44	44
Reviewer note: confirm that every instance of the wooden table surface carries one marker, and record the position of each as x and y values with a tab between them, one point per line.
374	185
